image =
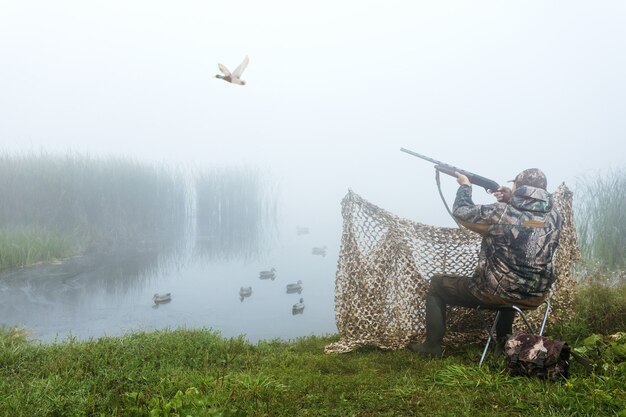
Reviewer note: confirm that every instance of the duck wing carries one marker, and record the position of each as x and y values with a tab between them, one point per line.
239	70
224	70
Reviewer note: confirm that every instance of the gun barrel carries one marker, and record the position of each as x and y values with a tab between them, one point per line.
424	157
488	184
449	169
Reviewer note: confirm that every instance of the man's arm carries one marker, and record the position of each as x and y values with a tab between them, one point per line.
502	194
477	218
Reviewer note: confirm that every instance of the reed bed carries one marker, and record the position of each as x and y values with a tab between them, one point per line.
235	212
90	201
601	219
53	206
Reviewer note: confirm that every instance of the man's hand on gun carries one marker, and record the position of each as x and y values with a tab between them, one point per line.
462	179
502	194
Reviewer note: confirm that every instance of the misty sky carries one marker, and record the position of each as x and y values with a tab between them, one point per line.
334	89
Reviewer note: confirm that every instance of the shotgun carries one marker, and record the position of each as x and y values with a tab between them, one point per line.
489	185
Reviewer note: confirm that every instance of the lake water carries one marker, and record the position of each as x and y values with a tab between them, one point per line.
109	294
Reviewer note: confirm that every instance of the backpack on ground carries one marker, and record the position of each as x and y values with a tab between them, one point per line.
538	356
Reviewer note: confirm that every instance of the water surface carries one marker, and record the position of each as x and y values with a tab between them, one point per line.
109	294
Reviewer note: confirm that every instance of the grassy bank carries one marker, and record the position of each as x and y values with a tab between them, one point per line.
26	246
198	373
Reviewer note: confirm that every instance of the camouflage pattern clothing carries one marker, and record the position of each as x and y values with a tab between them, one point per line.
515	261
534	355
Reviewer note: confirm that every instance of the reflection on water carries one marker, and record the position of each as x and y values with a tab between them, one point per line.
300	230
233	243
156	305
112	293
235	215
319	251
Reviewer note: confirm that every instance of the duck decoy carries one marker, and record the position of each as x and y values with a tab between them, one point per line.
297	287
319	251
162	298
298	308
245	292
235	76
271	274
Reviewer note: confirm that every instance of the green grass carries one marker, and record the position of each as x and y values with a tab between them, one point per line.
188	372
599	309
22	247
199	373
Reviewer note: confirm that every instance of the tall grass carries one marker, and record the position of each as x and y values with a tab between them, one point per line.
26	246
91	201
235	212
199	373
54	205
600	309
116	198
600	214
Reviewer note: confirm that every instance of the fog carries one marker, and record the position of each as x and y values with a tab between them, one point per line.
334	89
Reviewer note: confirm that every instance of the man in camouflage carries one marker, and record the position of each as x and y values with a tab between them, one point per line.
515	263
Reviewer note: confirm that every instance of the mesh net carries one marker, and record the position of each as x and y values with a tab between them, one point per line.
386	262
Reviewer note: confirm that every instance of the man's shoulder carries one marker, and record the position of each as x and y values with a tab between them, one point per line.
556	215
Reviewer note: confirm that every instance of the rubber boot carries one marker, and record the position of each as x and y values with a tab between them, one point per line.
505	323
504	330
435	328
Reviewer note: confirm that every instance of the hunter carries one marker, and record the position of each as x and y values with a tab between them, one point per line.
515	264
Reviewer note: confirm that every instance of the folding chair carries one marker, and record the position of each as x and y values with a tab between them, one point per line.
491	330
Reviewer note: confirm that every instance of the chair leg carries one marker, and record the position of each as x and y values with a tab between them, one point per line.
491	332
545	317
492	329
523	316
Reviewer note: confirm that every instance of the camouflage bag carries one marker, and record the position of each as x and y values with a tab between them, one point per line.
534	355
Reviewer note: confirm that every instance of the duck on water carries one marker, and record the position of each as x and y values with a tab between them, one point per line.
245	292
321	251
162	298
298	308
271	274
292	288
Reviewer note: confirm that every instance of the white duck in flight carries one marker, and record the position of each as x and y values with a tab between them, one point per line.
235	76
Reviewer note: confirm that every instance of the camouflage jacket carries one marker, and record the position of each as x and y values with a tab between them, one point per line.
516	257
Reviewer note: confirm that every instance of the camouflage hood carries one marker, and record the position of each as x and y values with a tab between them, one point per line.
527	198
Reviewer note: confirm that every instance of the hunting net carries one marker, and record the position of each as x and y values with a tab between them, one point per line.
385	264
